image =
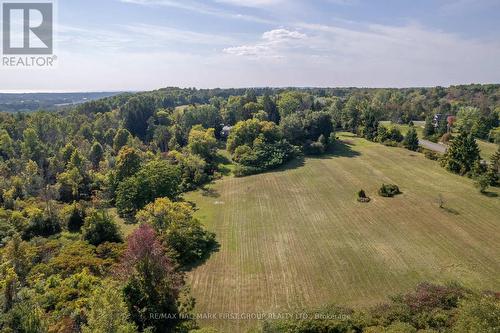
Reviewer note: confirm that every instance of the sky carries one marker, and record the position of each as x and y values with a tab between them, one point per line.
131	45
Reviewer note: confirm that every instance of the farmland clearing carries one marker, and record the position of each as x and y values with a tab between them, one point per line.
296	237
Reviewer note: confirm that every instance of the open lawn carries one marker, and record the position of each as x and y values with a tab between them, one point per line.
487	149
297	237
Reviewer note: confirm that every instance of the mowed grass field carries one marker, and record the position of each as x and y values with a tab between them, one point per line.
297	237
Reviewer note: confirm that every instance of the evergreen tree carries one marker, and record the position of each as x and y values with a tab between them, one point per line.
442	128
429	129
462	154
494	168
411	140
370	124
271	109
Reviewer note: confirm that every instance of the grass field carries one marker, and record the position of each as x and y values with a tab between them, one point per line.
298	238
487	148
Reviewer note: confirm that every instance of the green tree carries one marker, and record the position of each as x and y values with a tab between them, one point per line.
411	140
462	154
429	128
292	128
202	142
120	139
351	113
246	132
270	109
6	145
66	153
96	154
128	162
442	127
370	123
494	167
156	179
108	312
178	229
28	317
476	121
99	227
207	116
290	102
136	113
73	216
31	147
478	314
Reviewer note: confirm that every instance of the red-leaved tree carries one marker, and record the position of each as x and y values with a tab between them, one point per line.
152	281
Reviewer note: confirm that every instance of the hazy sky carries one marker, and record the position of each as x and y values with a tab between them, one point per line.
148	44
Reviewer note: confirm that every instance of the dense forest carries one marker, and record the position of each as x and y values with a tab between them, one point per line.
71	178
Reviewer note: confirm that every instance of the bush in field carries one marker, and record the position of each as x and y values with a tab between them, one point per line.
362	197
389	136
389	190
430	154
482	182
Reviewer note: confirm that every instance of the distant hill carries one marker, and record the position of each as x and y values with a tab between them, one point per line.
29	102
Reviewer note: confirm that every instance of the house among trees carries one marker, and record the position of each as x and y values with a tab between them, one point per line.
225	131
439	117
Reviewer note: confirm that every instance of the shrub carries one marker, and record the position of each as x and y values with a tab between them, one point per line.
430	154
99	227
482	182
362	197
40	223
447	137
395	134
73	217
263	156
390	143
314	148
389	190
478	314
433	138
494	135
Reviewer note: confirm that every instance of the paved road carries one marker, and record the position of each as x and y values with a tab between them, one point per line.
440	148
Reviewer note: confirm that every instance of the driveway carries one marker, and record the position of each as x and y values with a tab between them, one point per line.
437	147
